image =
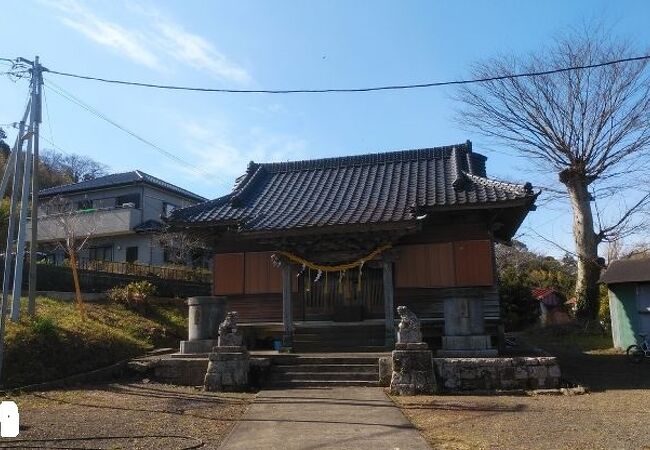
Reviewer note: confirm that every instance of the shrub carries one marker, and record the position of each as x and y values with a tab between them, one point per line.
519	309
603	309
134	295
43	326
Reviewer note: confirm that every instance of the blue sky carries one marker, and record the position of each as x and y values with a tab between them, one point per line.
281	44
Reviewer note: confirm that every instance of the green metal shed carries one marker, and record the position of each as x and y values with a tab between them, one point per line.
628	282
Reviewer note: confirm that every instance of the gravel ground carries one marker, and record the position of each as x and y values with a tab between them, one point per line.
163	416
615	415
602	420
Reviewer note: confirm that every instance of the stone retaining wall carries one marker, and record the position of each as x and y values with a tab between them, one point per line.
467	374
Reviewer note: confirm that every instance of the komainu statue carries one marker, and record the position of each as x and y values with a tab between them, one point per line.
228	333
409	327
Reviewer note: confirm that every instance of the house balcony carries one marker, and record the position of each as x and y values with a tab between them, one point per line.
97	223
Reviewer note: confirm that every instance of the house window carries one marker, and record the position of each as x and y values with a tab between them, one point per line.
643	297
104	203
104	253
126	199
168	208
84	204
131	254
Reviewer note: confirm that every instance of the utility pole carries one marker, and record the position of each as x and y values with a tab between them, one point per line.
27	183
10	171
23	179
36	119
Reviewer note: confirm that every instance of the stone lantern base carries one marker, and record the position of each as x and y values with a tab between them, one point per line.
412	370
227	369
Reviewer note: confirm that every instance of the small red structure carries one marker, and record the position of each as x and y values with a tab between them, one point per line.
551	305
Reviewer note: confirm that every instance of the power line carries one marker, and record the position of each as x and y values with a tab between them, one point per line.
70	97
47	111
56	147
350	90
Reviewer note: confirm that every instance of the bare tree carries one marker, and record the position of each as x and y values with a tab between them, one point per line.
71	230
74	168
181	247
591	127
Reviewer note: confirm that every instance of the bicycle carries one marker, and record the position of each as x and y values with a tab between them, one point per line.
636	353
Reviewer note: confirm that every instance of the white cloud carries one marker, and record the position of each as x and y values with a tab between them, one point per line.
196	52
213	148
104	32
155	38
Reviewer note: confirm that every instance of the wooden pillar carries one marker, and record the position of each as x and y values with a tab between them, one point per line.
389	308
287	308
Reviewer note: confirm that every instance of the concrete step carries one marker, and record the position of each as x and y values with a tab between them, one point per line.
341	330
293	359
341	342
303	383
322	376
325	348
342	368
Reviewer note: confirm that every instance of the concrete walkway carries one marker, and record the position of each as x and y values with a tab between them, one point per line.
326	418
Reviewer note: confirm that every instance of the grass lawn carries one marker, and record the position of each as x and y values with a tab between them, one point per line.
126	416
613	416
58	343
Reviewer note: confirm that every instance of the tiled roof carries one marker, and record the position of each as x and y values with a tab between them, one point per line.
627	271
119	179
148	226
548	296
363	189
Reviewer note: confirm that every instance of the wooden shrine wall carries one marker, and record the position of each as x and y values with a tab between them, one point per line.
445	265
252	284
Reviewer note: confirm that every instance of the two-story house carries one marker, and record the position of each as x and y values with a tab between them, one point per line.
121	212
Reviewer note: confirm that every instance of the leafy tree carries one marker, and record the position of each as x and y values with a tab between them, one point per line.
520	271
519	308
4	147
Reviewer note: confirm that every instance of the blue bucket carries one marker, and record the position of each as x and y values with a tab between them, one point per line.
277	345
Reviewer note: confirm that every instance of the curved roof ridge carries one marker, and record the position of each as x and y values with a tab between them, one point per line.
368	158
525	188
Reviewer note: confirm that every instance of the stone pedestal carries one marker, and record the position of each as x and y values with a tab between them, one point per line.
412	371
475	346
227	369
465	329
201	346
204	316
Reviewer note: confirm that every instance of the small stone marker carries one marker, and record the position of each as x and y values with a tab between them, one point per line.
412	360
229	360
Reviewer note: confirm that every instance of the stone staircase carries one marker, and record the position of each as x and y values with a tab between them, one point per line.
343	337
323	370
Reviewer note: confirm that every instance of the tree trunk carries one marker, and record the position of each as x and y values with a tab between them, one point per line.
586	243
77	287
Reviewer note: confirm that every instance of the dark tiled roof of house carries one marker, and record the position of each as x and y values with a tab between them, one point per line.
118	179
148	226
364	189
627	271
